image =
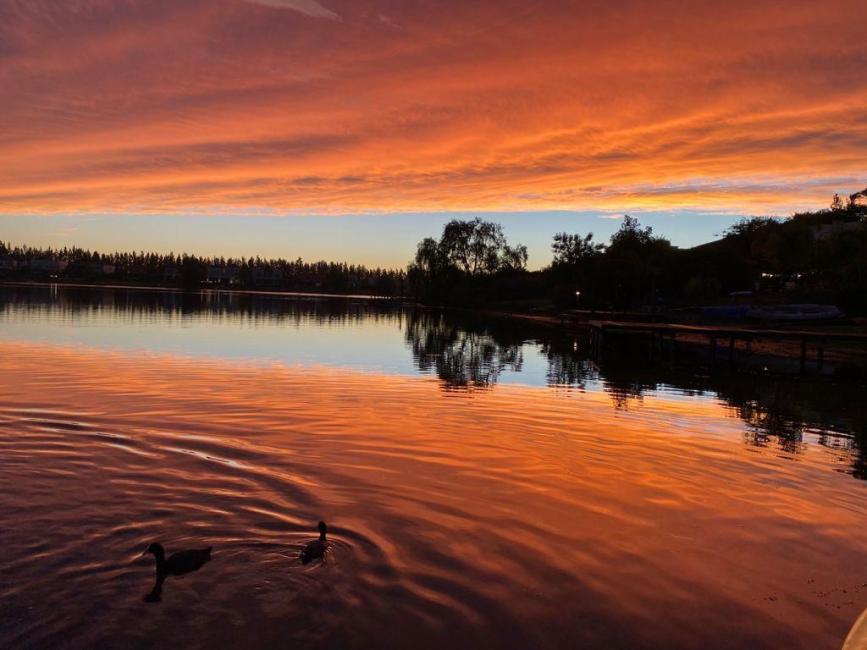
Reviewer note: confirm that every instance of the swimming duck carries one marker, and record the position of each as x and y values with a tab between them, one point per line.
177	564
315	550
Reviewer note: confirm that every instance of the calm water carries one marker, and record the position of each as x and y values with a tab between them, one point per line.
484	484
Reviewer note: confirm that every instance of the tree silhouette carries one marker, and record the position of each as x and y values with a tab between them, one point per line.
467	254
571	250
478	247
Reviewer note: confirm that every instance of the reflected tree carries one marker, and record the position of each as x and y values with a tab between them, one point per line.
778	413
566	366
768	424
474	352
134	304
460	356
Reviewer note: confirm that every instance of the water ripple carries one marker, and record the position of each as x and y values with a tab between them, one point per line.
518	518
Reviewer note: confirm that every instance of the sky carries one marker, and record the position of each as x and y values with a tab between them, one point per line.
350	129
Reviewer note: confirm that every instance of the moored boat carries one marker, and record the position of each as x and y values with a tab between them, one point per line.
795	313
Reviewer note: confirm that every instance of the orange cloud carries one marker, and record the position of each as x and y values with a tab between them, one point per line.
306	7
220	105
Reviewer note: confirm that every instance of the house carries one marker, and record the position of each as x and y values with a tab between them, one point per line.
171	273
7	263
777	282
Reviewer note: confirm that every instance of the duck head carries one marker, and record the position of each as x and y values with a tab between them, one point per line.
157	550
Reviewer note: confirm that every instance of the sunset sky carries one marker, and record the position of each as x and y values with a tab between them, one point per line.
349	129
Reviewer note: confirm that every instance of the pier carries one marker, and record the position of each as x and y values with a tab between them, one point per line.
663	340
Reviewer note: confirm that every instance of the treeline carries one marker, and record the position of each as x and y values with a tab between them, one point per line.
816	257
192	271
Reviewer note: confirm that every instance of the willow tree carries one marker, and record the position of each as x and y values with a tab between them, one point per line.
466	252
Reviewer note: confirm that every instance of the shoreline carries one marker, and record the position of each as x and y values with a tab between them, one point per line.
164	289
849	353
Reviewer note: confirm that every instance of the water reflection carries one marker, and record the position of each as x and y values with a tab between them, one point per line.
784	414
516	496
780	413
461	356
147	304
566	366
464	352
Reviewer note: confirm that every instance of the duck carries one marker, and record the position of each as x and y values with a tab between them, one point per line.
180	563
177	564
316	549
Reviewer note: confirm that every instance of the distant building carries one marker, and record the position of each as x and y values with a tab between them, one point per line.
776	282
171	273
7	263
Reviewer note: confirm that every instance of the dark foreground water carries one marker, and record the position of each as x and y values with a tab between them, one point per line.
484	484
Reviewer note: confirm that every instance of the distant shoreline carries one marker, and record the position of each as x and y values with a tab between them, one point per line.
573	324
298	294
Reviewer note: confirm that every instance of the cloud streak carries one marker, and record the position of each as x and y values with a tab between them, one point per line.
169	106
307	7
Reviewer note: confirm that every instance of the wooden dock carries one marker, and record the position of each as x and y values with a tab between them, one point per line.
663	336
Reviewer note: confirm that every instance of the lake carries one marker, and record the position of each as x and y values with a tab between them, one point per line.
484	484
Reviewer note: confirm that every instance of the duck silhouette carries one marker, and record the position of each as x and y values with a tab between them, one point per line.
316	549
177	564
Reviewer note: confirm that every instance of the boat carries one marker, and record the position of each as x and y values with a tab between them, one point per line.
795	313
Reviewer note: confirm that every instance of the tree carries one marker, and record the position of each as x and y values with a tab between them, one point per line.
854	206
479	247
514	259
570	250
635	268
428	259
474	248
466	262
631	234
748	227
193	272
